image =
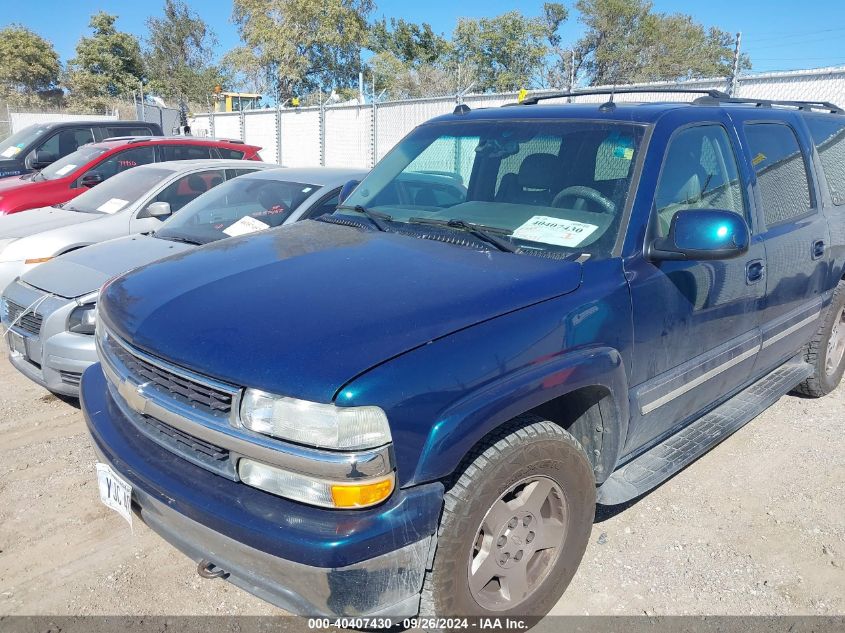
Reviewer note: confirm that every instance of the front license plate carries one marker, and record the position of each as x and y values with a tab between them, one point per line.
17	343
115	492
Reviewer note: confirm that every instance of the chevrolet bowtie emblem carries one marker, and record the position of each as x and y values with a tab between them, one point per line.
134	395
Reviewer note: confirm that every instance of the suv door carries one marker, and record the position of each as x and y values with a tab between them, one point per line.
696	323
795	236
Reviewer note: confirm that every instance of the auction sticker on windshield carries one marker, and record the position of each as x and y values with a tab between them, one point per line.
115	493
64	170
245	225
557	231
112	206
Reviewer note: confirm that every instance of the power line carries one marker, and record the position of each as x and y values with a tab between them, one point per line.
787	34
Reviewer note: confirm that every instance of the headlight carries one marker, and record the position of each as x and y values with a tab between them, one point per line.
314	424
83	319
327	494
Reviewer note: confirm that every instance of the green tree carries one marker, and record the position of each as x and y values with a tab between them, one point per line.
108	64
179	55
627	42
412	44
509	51
304	45
29	67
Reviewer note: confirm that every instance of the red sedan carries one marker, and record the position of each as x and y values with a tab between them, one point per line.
92	164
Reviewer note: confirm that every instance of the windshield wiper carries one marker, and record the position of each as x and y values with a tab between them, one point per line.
480	231
178	238
375	217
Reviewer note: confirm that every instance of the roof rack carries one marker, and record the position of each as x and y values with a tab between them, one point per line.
534	99
709	97
825	106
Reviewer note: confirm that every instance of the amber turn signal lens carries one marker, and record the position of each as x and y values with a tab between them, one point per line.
362	495
37	260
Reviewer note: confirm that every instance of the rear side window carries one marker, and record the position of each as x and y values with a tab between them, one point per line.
231	154
128	131
781	171
829	138
125	160
186	152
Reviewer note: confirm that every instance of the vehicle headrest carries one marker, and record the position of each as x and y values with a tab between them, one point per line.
538	171
197	183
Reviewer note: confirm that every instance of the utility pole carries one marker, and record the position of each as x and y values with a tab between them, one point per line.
733	84
571	74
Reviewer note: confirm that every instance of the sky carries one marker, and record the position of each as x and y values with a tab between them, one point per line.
779	35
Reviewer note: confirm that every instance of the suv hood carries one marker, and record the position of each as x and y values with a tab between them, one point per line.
303	309
38	220
84	271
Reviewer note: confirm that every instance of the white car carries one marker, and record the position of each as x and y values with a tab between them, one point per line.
135	201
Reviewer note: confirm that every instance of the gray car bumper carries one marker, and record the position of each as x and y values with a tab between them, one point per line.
52	357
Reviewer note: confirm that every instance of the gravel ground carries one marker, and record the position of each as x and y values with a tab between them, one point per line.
757	526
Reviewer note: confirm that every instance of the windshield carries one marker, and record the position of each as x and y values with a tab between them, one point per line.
243	205
541	185
119	191
72	161
13	145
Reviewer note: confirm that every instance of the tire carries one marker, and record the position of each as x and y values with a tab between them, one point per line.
826	351
527	458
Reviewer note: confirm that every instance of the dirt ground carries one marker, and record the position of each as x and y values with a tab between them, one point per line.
757	526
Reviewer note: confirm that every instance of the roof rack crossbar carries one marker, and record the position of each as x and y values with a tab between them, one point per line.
534	99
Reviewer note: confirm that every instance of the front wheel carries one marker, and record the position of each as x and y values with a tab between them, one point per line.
515	525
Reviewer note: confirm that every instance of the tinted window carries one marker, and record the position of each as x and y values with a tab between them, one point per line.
185	189
781	171
65	142
186	152
127	159
232	154
234	173
326	205
699	172
829	137
127	131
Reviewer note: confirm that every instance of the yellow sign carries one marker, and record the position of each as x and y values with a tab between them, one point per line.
522	94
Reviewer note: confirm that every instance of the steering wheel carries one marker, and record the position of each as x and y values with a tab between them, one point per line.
582	195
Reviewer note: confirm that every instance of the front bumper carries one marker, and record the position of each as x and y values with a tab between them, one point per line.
54	358
306	560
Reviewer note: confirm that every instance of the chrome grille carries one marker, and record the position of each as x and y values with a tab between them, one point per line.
196	394
28	322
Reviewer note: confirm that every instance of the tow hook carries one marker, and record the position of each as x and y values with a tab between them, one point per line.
209	570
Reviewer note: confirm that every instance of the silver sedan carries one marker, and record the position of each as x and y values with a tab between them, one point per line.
135	201
50	313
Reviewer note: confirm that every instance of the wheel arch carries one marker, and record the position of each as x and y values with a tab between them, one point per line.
581	391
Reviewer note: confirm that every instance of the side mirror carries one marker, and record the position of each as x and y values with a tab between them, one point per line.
91	180
702	234
42	159
347	188
158	210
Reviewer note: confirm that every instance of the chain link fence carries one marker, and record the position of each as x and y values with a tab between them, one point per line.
360	135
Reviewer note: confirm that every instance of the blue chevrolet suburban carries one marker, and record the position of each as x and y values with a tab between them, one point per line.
413	405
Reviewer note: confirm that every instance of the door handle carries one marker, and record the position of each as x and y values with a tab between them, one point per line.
818	249
754	271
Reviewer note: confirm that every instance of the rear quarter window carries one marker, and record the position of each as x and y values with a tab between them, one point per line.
828	134
231	154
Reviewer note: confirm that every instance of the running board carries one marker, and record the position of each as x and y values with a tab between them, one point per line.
677	451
